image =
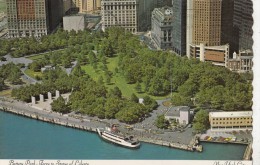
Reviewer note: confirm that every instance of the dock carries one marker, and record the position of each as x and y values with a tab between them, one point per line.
248	153
167	144
48	119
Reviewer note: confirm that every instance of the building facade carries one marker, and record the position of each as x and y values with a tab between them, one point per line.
209	23
162	25
218	55
243	22
143	12
67	5
87	6
241	62
206	22
179	26
74	22
180	114
33	17
55	13
122	13
27	18
237	120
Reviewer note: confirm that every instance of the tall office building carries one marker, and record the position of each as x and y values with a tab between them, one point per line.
162	3
91	5
179	26
206	22
33	17
143	9
85	6
55	13
243	22
209	22
67	5
121	13
210	30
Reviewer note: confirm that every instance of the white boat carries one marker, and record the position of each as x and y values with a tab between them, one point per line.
112	136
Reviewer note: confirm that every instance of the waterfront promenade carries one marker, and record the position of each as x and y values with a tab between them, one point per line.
144	131
91	123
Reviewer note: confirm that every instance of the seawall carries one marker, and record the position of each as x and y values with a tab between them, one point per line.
248	152
58	119
48	120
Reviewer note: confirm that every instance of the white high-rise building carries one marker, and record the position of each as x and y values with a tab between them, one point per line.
122	13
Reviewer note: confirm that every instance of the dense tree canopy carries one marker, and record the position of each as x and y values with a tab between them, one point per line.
201	121
161	122
60	105
11	73
155	73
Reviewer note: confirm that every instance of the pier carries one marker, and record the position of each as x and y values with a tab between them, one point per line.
248	152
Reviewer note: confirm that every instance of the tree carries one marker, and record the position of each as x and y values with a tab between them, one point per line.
134	98
161	122
179	100
35	66
150	103
59	105
77	71
116	92
112	106
100	80
138	87
201	121
108	79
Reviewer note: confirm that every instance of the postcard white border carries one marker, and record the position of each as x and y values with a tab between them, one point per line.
256	117
256	84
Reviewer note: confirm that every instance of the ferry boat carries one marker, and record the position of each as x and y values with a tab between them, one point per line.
111	135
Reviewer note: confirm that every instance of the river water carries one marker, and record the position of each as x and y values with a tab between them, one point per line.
24	138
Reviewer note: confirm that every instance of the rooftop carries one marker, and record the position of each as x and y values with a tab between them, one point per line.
175	111
231	114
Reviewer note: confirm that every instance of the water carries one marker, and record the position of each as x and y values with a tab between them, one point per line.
23	138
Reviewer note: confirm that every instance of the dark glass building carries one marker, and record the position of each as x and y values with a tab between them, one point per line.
243	22
179	26
145	9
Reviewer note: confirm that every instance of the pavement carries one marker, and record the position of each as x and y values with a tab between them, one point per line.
145	129
240	135
21	60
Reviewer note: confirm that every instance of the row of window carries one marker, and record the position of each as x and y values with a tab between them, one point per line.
241	118
237	122
119	7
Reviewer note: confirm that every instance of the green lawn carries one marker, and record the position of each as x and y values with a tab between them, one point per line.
37	57
41	55
117	79
32	74
2	6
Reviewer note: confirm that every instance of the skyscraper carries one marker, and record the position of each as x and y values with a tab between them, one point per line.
33	17
179	26
209	22
206	22
145	10
119	8
243	22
